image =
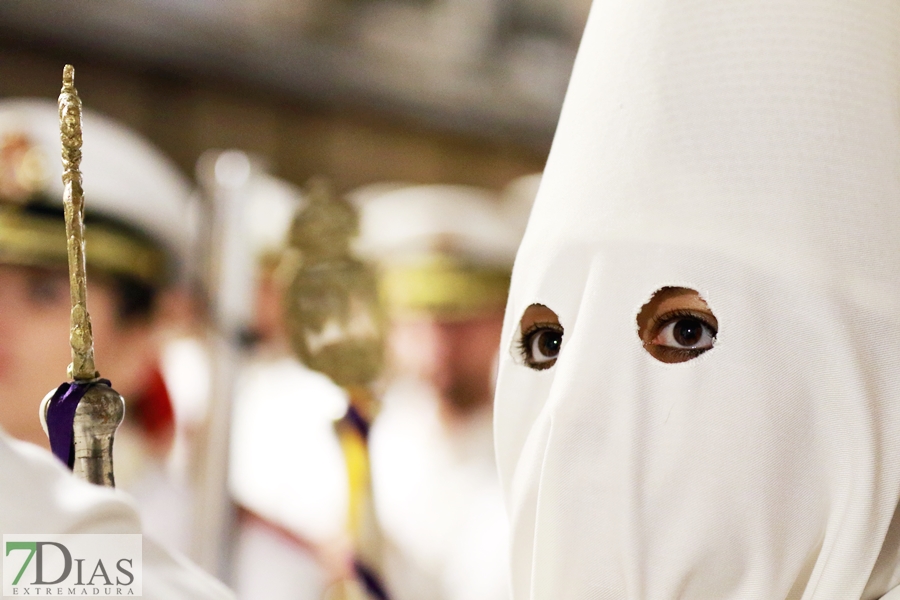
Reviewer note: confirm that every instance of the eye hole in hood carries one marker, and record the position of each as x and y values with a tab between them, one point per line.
540	337
676	325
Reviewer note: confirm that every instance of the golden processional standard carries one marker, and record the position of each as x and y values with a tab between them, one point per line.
337	327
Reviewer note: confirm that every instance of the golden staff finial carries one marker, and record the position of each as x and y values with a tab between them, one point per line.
80	337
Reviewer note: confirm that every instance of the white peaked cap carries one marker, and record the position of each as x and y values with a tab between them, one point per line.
361	195
126	178
443	249
749	150
407	223
271	206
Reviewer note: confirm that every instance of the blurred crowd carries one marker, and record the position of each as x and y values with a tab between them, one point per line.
236	452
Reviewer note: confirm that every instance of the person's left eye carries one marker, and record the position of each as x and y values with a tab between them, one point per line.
676	325
684	333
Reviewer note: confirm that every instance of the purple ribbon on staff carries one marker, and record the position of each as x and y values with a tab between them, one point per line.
370	580
61	418
355	419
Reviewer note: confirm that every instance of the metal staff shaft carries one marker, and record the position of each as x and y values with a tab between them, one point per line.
80	337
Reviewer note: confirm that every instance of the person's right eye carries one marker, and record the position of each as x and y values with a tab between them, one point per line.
541	337
48	289
540	345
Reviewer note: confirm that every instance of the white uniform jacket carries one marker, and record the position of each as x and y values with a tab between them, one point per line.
38	495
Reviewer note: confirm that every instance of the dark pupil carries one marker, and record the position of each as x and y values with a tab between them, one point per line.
549	343
688	332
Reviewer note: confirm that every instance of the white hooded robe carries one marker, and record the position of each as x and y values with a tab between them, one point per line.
749	150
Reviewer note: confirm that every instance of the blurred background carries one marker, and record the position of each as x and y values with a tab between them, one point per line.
461	91
342	185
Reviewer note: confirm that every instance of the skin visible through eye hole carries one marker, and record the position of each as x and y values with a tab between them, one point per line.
677	325
540	337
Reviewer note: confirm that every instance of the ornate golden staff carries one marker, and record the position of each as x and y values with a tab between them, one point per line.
81	337
80	417
336	326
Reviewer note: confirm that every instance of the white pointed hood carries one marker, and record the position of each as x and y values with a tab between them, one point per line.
749	150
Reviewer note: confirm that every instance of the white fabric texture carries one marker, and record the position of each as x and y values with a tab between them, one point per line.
38	495
269	565
287	468
438	500
286	464
750	150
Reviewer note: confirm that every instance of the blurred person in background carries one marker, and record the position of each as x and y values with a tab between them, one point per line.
445	255
286	468
137	238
